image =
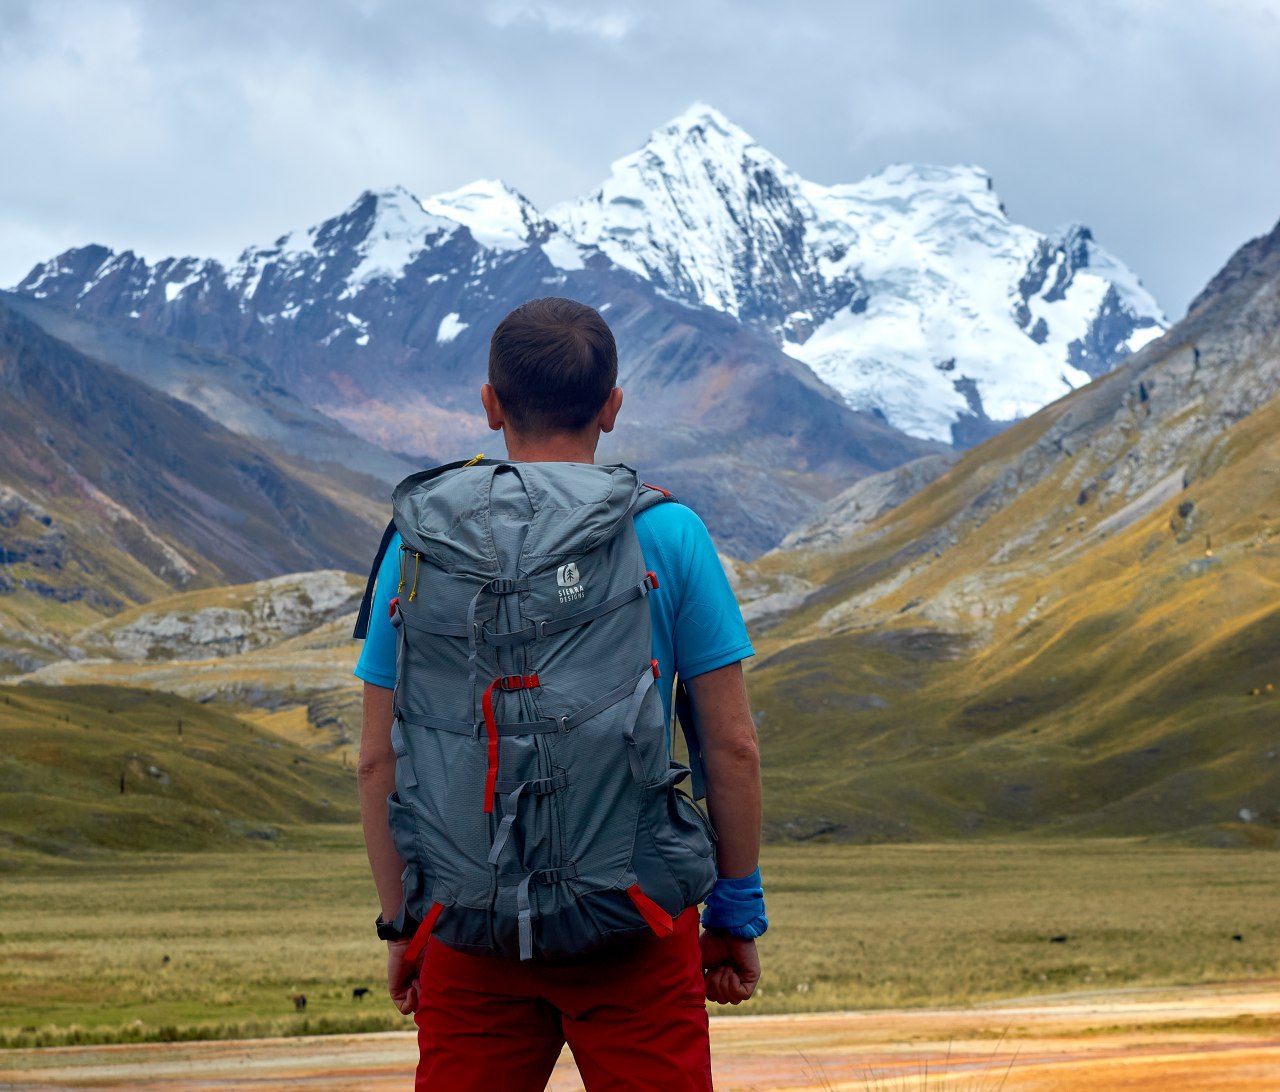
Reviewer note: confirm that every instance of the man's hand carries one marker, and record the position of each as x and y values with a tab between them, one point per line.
731	968
402	977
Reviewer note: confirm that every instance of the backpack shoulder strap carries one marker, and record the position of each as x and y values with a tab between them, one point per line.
684	714
651	495
366	604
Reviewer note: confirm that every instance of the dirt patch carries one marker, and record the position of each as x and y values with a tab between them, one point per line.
1213	1037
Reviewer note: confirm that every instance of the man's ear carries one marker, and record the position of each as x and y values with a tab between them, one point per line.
492	408
609	411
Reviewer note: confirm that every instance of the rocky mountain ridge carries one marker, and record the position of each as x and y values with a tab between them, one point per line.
714	410
112	493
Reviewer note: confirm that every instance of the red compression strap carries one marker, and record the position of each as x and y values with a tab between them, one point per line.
659	920
423	934
491	727
503	682
393	606
657	674
657	489
653	578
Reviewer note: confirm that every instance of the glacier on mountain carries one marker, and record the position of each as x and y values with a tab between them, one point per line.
911	292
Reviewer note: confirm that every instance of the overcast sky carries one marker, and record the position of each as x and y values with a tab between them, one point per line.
175	128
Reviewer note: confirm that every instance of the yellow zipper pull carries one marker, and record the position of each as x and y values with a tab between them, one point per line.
413	592
475	460
401	587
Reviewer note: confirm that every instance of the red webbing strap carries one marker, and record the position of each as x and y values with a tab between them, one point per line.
657	489
423	934
659	920
491	728
503	682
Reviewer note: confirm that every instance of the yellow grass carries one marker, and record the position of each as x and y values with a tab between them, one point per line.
83	944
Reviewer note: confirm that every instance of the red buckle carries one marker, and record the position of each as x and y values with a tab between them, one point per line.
656	673
653	579
517	682
393	606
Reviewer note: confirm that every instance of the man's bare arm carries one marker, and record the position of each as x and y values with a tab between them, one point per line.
376	780
731	757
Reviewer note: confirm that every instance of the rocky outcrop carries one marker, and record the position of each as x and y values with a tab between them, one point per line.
865	501
245	618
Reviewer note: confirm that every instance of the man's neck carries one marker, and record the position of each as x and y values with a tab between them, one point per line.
560	447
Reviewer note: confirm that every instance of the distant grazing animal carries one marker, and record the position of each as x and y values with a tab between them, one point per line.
1238	938
299	1001
1058	940
165	961
359	993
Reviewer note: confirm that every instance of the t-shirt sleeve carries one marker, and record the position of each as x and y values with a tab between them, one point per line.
708	627
377	663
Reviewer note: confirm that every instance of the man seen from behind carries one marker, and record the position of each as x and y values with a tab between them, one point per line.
634	1015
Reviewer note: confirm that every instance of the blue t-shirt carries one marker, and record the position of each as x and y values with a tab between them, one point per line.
697	626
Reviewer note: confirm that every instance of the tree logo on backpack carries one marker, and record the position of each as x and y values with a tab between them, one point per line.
570	581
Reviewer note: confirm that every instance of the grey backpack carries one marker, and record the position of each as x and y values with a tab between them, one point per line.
536	804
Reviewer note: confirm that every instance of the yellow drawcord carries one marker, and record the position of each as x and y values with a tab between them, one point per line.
417	557
414	590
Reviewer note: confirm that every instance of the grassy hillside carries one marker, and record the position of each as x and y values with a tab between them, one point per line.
1076	629
278	653
88	768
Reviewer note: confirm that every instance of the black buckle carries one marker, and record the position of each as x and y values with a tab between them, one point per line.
517	682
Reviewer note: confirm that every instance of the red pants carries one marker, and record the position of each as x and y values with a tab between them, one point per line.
634	1020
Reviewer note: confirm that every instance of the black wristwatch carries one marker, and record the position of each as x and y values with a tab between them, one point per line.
387	929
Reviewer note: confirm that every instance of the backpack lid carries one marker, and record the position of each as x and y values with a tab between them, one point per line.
445	513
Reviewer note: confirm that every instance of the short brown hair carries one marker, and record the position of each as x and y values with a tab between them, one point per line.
552	363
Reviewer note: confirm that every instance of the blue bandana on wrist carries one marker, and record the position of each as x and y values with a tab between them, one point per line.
736	907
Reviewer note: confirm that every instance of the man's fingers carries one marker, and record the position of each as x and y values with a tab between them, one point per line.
406	1000
723	987
713	985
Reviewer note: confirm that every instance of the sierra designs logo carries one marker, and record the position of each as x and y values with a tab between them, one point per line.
570	581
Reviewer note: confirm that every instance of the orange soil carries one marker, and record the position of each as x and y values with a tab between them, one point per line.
1224	1038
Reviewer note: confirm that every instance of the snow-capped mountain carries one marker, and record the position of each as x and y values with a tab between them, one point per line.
380	318
909	295
355	295
910	292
